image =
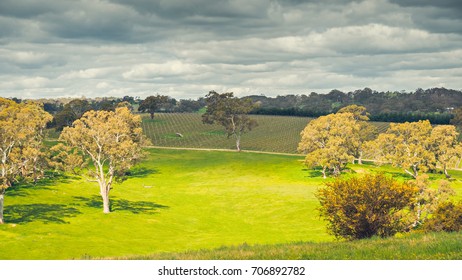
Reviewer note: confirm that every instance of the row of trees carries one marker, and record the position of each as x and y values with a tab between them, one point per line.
334	140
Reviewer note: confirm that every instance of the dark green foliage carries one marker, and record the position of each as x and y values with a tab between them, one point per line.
363	207
71	112
156	103
447	217
434	104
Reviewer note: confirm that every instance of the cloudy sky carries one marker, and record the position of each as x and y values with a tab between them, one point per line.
185	48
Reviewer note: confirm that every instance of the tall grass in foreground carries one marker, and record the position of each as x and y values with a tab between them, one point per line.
417	246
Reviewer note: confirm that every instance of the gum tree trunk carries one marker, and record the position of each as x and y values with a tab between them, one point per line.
105	185
238	143
106	203
446	172
324	174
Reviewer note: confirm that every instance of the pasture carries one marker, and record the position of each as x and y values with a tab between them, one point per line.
174	201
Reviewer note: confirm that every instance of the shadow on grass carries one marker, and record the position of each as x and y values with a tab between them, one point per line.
46	213
136	207
136	172
313	173
22	189
140	172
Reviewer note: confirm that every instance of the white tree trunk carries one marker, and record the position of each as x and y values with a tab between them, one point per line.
238	143
106	203
413	174
104	186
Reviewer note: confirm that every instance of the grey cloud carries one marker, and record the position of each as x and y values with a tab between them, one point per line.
32	8
442	16
447	4
186	48
178	9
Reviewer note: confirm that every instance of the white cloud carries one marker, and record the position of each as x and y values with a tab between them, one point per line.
159	70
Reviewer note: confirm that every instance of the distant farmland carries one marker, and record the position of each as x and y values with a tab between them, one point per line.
273	134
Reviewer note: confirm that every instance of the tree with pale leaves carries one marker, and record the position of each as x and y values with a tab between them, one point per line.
367	131
406	145
110	141
446	147
330	141
21	143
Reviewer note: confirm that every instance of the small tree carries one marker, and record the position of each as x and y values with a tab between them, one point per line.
231	113
363	207
112	143
21	135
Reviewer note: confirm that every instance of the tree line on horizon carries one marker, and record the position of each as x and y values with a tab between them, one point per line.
436	105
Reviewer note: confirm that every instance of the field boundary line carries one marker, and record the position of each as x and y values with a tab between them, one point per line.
221	150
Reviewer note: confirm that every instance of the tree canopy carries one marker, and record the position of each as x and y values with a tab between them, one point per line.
154	103
406	145
330	142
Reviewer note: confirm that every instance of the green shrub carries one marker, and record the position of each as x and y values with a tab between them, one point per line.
363	207
447	217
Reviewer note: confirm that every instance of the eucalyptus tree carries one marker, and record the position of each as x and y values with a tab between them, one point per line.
330	141
112	143
21	143
231	113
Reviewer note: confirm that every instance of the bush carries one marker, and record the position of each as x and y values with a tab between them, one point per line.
447	217
363	207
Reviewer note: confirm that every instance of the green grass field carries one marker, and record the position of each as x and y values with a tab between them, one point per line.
175	201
